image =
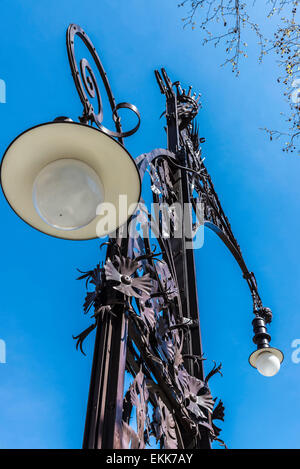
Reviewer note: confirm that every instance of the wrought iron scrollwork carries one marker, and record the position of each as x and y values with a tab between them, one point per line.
87	87
214	216
200	183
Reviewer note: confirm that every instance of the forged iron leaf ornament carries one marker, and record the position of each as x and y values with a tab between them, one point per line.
89	301
185	323
91	276
99	316
126	284
196	394
136	245
82	336
155	179
218	414
148	313
166	347
205	401
161	183
216	369
188	105
178	358
164	426
167	280
162	327
93	299
169	340
130	440
94	278
139	398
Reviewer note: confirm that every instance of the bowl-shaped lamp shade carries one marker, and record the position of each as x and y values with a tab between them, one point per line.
58	175
266	360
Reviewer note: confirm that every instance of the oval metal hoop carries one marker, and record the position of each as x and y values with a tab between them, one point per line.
86	85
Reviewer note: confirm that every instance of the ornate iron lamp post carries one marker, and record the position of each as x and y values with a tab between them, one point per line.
144	297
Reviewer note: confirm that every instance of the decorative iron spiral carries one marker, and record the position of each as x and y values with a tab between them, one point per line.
86	85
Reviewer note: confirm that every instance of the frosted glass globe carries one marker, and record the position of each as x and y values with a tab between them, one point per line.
267	364
66	194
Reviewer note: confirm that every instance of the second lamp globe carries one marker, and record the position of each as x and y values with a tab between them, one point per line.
267	363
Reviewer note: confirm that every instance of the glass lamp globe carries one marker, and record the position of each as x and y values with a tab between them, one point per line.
268	364
66	194
266	360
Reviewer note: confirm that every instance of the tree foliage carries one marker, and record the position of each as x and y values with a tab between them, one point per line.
228	23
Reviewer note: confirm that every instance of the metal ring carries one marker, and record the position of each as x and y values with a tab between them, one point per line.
116	117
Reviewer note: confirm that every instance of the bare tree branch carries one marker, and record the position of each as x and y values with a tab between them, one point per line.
286	45
226	22
230	19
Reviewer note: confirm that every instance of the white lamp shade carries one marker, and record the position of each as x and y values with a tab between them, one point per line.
56	176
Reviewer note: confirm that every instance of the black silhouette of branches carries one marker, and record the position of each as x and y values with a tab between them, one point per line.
223	21
287	47
228	22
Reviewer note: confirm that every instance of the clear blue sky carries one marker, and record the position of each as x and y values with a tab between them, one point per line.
44	384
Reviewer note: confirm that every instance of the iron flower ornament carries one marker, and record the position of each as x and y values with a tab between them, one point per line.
138	287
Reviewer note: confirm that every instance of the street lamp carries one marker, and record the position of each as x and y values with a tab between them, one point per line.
63	178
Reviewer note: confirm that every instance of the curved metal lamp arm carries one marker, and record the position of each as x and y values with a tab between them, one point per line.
87	87
216	220
200	181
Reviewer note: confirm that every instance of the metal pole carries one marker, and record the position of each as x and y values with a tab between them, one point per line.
103	426
183	257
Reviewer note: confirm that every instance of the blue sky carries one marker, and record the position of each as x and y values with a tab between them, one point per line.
44	384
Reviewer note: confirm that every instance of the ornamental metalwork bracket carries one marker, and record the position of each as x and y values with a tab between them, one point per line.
87	87
201	186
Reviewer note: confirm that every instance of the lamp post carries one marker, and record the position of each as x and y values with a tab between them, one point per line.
69	180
